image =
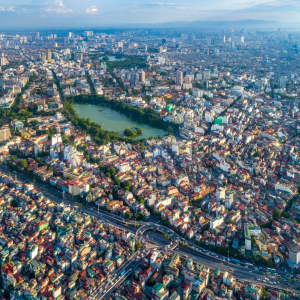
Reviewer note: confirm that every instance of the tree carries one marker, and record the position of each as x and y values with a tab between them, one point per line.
139	131
33	123
276	214
257	154
229	221
285	215
117	181
102	167
136	215
107	174
129	132
151	281
13	158
22	163
154	228
138	245
264	294
127	185
69	177
112	171
269	263
127	215
14	203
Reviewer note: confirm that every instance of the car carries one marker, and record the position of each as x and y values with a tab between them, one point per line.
250	271
264	281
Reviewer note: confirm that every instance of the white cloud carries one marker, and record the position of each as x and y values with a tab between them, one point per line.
92	10
2	9
58	10
10	9
59	3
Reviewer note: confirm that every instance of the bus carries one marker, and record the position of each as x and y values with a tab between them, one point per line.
271	270
123	272
249	265
235	261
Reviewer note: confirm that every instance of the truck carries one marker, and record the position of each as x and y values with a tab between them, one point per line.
123	272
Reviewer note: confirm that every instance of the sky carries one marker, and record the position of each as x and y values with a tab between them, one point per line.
79	13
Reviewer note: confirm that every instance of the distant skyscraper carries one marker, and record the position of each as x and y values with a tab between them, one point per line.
206	74
88	33
208	42
3	60
4	134
179	78
48	54
37	35
145	48
224	39
132	78
206	84
206	51
281	82
188	79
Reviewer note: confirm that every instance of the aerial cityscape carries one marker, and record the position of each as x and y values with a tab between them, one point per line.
149	160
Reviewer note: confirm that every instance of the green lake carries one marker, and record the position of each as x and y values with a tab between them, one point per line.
113	120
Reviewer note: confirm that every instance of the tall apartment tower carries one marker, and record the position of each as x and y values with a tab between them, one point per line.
4	134
48	54
179	78
281	82
206	74
3	60
143	76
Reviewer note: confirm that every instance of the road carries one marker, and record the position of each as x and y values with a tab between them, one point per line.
240	273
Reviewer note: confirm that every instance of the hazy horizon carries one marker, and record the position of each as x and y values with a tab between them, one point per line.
74	13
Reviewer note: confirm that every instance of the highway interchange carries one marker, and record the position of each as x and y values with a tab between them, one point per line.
242	274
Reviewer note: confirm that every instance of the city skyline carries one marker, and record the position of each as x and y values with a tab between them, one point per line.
67	13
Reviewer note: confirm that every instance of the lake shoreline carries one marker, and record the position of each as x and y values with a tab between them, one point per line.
114	120
106	104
